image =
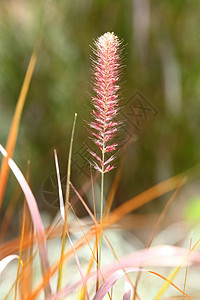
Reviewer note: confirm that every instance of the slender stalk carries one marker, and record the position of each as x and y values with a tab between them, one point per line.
105	108
101	211
64	232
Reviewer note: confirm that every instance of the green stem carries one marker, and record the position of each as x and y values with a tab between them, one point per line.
60	271
101	211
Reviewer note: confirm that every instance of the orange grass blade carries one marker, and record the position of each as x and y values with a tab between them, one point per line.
9	212
29	239
143	198
174	273
113	189
27	257
157	225
14	128
170	282
20	249
12	137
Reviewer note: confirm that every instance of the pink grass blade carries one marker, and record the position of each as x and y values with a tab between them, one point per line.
127	290
163	256
109	282
22	233
40	233
113	189
112	279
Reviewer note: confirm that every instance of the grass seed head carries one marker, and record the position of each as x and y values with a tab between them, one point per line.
106	70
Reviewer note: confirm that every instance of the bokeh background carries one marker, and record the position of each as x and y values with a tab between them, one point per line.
162	71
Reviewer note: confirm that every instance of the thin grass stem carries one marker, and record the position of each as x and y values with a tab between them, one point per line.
64	233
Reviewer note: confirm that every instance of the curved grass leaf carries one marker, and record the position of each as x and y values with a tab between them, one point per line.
5	261
35	215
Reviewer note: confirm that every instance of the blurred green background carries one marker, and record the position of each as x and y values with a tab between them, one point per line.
162	60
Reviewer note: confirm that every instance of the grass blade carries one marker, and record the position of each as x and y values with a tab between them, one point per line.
20	250
22	233
60	271
12	137
13	133
60	193
134	203
5	261
127	290
185	260
40	233
157	225
62	212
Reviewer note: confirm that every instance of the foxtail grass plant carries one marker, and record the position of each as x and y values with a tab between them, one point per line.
34	236
103	128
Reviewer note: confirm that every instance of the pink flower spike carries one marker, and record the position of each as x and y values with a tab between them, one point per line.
106	70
